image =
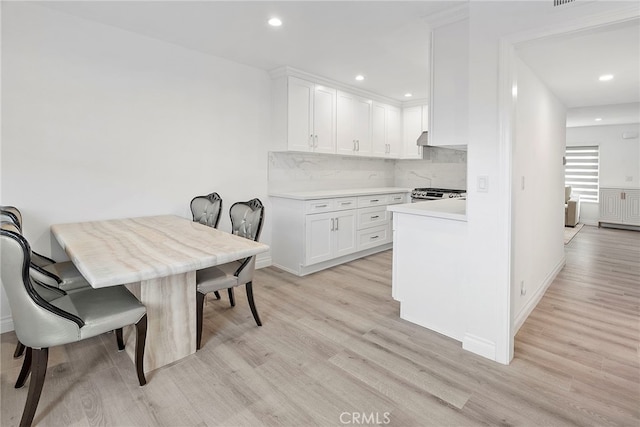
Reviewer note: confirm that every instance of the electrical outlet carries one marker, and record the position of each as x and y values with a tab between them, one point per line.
523	289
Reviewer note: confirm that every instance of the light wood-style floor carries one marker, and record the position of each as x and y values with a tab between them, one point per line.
333	348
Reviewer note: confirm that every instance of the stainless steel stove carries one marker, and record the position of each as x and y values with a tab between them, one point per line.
426	194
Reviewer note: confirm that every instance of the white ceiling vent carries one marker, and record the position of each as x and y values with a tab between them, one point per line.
561	2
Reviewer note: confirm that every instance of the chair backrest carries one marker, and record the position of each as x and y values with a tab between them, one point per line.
206	209
247	219
11	213
37	322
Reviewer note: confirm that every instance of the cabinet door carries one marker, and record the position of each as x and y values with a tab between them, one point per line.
378	132
344	233
610	205
362	125
450	85
394	132
345	126
319	237
324	119
300	115
631	203
411	129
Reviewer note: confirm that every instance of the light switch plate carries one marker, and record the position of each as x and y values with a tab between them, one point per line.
483	184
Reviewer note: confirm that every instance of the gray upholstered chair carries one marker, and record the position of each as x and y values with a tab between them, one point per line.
64	275
206	209
44	270
246	221
40	323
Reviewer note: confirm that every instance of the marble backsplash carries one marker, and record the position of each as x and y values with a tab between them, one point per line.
291	171
440	167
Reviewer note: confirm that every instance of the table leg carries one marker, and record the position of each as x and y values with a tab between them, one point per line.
171	313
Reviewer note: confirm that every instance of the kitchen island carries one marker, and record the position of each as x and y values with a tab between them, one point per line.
430	257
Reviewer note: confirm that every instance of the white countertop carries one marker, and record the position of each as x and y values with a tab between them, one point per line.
454	209
328	194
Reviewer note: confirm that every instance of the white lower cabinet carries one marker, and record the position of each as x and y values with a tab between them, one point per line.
311	235
330	235
620	206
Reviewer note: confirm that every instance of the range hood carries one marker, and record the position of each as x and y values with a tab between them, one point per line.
423	139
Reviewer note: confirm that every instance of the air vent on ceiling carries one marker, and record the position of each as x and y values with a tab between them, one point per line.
561	2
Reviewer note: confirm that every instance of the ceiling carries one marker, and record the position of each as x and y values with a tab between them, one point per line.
571	64
386	41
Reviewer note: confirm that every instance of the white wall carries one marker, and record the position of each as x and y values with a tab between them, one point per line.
619	159
102	123
487	297
538	192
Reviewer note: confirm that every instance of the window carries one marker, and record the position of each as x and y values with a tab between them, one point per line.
581	172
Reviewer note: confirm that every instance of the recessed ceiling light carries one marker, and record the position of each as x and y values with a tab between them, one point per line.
605	77
598	119
275	22
408	95
359	77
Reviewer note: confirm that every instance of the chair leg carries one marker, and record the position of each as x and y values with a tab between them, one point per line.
217	294
252	304
19	350
232	300
119	339
199	314
26	369
40	358
141	337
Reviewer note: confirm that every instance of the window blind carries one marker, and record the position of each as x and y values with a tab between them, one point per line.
581	171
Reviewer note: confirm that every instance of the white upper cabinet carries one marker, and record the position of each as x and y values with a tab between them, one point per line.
385	131
449	85
414	122
353	124
311	117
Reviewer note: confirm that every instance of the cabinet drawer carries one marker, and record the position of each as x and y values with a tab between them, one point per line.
375	200
372	217
372	237
319	206
345	203
394	199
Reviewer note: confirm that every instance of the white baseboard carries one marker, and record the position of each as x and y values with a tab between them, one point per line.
518	321
480	346
264	261
6	324
593	222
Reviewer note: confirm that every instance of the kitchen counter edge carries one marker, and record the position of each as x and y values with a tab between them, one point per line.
453	209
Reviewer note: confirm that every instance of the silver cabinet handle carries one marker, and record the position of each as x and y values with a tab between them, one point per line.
310	140
321	206
623	195
358	144
345	203
373	237
316	143
375	217
374	201
337	223
332	224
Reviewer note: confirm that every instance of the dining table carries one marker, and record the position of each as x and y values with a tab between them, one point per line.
156	258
